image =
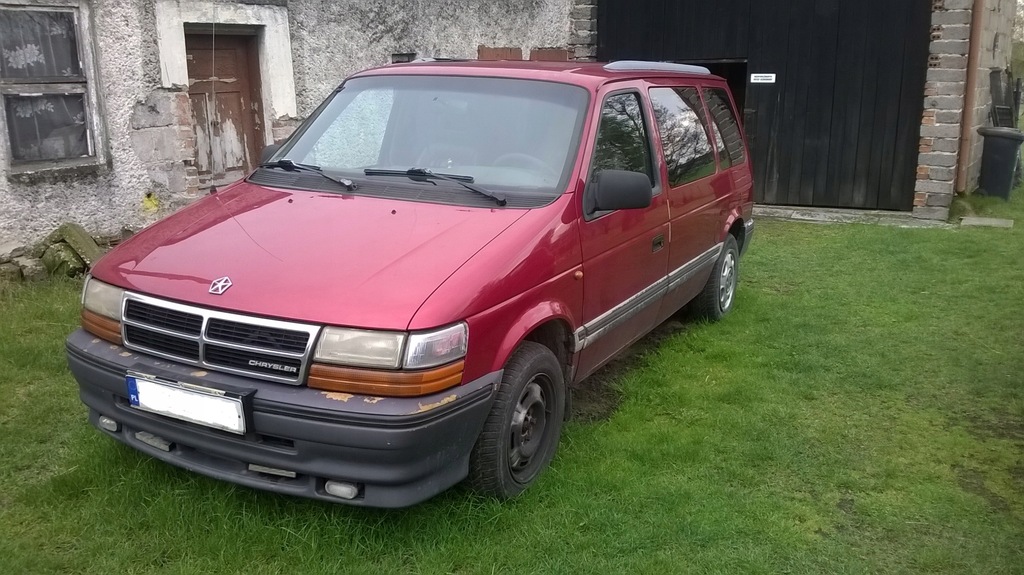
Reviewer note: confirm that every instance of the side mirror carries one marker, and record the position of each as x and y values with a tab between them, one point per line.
621	190
269	152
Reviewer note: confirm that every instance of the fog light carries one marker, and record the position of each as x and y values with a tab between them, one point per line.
341	489
109	424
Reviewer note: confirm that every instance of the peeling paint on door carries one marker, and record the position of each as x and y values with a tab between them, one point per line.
223	85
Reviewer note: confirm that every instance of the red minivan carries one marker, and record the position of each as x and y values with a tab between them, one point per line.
400	297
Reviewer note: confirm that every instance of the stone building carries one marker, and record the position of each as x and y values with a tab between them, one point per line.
114	112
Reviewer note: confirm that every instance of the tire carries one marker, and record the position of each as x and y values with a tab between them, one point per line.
522	431
719	294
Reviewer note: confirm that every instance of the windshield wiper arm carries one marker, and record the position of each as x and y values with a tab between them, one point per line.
426	174
293	166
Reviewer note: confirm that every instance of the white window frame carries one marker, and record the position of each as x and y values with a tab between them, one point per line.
83	30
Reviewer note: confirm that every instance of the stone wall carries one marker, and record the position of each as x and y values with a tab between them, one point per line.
146	146
331	39
107	194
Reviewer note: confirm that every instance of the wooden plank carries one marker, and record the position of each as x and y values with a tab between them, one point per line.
900	194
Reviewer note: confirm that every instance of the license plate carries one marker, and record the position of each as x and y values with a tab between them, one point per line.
210	407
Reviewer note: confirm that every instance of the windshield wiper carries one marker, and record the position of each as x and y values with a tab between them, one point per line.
292	166
426	174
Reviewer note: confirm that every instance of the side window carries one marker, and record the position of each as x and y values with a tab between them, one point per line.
622	137
684	137
727	130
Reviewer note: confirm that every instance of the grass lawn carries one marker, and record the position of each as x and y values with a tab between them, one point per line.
861	411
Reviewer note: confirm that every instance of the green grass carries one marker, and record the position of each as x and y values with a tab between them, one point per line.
861	411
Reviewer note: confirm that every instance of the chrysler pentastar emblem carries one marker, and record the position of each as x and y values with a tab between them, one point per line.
220	286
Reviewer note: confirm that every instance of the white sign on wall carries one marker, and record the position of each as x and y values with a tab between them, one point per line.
762	78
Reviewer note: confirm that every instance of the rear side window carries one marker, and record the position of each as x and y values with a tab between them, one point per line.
684	136
622	137
727	129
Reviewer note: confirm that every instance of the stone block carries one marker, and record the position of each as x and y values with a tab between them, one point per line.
160	108
584	25
11	250
931	213
32	269
946	75
934	187
940	131
61	260
940	159
947	116
986	222
949	47
951	17
583	13
956	32
946	88
10	272
958	4
939	200
951	145
942	174
944	102
156	145
81	242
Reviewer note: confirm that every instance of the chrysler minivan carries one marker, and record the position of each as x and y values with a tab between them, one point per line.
402	295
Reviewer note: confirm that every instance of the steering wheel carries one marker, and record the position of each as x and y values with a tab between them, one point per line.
519	159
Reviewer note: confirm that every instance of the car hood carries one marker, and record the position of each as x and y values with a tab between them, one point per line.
322	258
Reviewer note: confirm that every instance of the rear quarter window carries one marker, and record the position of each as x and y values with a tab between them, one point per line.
684	134
727	129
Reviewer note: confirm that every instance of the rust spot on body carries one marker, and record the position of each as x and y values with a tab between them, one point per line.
338	396
372	399
436	404
126	354
199	373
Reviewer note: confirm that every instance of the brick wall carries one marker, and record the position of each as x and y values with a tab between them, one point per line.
583	39
944	100
943	108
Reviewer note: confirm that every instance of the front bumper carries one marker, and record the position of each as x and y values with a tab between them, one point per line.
398	451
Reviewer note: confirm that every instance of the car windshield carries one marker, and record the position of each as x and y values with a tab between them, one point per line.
514	136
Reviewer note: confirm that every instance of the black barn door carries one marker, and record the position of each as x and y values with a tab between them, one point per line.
839	127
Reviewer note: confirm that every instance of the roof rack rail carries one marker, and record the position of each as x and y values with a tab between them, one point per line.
634	65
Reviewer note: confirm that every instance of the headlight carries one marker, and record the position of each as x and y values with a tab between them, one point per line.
102	299
360	347
434	348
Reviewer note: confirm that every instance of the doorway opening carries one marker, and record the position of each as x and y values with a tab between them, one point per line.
227	105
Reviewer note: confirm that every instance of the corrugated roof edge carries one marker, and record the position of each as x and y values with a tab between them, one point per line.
635	65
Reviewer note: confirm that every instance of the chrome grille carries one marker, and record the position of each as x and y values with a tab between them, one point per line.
257	347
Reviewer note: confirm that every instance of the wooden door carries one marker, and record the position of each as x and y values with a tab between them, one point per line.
839	125
224	84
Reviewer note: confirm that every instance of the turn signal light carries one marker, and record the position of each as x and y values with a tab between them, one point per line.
385	383
101	327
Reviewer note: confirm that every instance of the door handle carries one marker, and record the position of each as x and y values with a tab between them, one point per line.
657	244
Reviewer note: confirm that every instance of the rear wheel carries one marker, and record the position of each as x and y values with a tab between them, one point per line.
719	293
522	431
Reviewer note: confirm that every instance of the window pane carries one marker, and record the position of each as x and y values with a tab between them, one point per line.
725	120
684	138
622	137
50	127
38	44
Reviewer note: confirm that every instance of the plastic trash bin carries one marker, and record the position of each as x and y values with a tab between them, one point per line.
999	160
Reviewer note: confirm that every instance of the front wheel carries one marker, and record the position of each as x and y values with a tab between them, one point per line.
522	431
719	293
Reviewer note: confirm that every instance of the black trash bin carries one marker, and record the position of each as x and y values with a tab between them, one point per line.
999	160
